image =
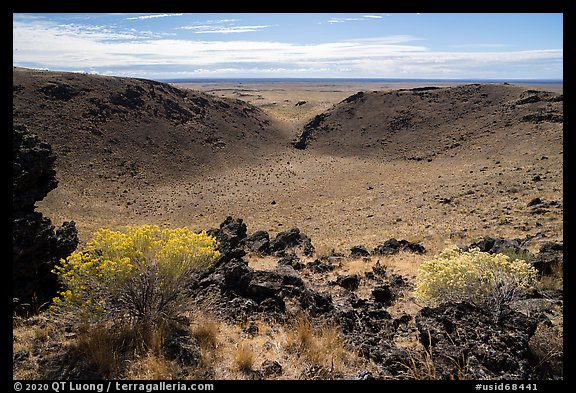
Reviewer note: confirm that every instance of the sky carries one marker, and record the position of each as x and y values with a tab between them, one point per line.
298	45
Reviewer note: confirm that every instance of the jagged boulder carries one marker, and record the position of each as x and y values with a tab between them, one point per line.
36	246
359	251
393	246
230	236
33	175
259	242
289	239
549	259
248	290
465	340
349	282
291	260
494	245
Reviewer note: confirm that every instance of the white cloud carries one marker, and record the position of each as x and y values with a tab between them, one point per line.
154	16
207	29
222	20
342	20
73	47
479	45
363	18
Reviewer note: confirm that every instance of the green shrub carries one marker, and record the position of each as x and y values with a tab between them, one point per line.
141	276
487	280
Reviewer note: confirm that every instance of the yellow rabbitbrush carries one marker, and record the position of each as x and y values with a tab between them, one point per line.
474	276
142	272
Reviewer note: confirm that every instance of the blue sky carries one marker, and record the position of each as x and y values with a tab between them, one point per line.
301	45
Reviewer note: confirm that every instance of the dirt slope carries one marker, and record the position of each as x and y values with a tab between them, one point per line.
436	165
422	123
123	129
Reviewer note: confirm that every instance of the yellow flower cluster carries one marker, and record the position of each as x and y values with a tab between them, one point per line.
476	276
112	257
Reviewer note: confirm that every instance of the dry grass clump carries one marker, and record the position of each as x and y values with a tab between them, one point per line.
103	346
320	346
206	331
547	349
244	357
424	365
151	367
553	281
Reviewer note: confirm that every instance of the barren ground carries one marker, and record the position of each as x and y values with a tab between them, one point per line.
341	201
479	182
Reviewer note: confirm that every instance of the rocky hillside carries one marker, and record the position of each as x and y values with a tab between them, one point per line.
321	285
423	123
110	129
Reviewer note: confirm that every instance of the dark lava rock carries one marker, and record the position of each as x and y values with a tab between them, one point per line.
359	251
549	259
529	99
36	247
131	98
230	235
317	266
354	97
267	289
494	245
184	348
404	319
492	346
259	242
33	175
292	238
236	276
397	280
535	201
383	294
379	270
291	260
271	368
60	91
315	302
350	282
301	142
393	246
542	117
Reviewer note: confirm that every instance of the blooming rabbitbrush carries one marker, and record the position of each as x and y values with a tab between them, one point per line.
107	278
475	276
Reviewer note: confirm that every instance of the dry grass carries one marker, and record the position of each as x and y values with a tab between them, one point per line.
151	367
404	263
320	345
324	249
356	265
102	346
547	348
206	330
244	357
554	281
423	365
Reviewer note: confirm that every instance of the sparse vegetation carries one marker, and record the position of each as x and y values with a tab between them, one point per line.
488	280
320	345
142	274
547	349
140	304
244	357
137	281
